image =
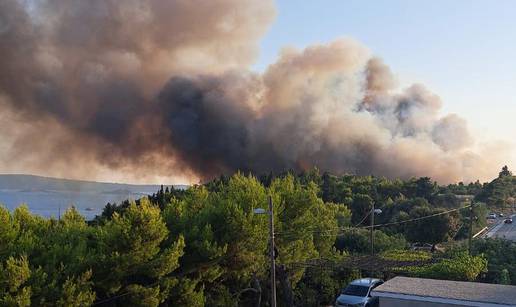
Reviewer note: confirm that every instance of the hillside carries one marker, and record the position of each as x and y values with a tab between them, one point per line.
37	183
48	196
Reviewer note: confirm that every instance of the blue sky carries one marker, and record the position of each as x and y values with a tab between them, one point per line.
464	51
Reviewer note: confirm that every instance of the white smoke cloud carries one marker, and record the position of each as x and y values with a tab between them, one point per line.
151	89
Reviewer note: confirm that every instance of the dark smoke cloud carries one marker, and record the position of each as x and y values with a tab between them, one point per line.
89	72
162	89
208	128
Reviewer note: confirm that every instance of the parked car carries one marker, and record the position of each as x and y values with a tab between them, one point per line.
508	221
492	216
421	247
501	215
358	293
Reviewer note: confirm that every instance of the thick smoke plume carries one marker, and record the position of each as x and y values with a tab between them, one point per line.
163	88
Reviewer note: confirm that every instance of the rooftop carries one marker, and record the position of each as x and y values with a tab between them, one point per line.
446	291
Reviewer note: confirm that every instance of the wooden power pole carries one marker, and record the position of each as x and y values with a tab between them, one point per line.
372	230
272	253
470	235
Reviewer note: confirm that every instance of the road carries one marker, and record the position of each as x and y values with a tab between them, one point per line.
506	231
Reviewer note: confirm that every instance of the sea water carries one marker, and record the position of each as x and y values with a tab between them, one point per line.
50	203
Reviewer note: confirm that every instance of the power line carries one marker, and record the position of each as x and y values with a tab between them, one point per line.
323	230
341	229
417	219
361	221
363	262
110	299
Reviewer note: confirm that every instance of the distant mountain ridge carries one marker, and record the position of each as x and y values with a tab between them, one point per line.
39	183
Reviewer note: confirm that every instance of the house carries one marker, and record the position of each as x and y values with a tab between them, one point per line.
420	292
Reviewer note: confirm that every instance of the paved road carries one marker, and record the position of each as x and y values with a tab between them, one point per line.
507	231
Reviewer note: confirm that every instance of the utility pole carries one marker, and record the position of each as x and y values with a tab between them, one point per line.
372	234
273	261
470	236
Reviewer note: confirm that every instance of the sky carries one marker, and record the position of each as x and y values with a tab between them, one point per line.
464	51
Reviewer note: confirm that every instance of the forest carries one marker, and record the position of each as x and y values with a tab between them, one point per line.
205	246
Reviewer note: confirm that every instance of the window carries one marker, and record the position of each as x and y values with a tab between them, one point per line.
355	290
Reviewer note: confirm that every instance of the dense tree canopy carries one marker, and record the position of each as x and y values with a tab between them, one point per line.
205	246
500	192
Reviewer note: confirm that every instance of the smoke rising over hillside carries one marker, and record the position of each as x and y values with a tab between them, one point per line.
164	88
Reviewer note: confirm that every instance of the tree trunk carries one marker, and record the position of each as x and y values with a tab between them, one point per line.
256	285
288	296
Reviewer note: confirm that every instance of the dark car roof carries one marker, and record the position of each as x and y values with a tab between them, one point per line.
365	282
